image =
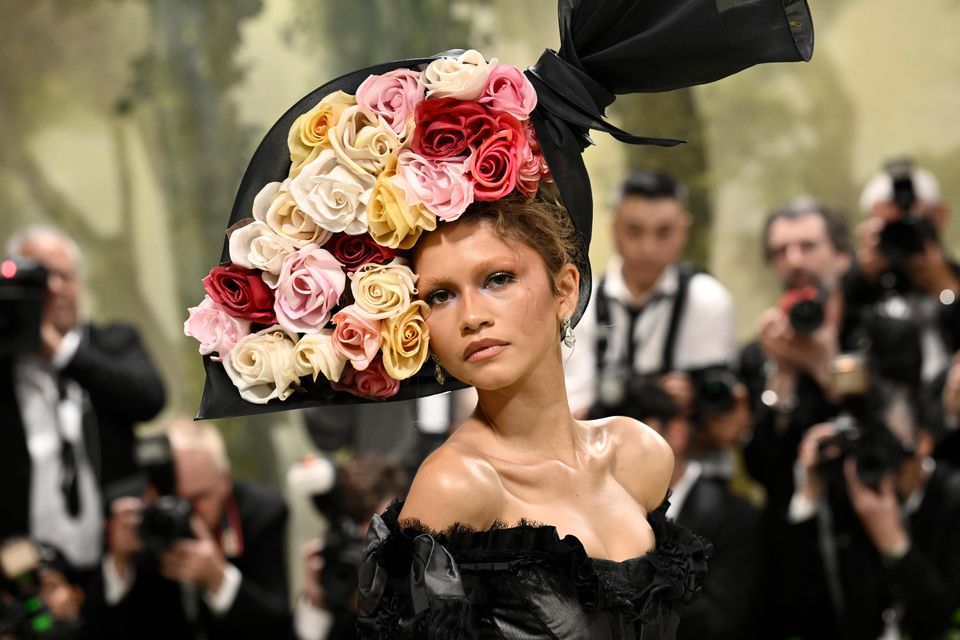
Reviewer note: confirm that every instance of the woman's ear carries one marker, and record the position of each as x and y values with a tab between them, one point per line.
568	288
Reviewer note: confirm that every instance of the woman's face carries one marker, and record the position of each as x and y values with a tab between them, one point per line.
494	316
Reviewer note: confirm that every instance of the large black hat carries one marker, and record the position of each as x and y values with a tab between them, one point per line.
607	48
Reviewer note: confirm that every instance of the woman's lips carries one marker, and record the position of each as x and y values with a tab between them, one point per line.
486	353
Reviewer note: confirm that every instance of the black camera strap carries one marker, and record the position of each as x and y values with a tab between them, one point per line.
685	273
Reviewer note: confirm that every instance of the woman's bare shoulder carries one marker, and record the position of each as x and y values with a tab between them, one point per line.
643	461
455	484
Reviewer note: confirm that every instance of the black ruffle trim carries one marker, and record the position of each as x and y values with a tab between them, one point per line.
643	588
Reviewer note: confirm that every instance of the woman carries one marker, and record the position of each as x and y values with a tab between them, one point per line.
501	285
440	205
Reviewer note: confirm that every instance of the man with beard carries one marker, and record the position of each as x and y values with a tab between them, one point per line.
787	369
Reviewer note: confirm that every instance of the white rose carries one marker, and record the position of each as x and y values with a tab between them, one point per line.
362	141
276	207
263	366
316	355
332	195
463	77
256	246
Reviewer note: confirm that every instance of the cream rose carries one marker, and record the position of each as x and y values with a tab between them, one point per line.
464	77
310	129
276	207
315	355
256	246
406	341
385	290
262	366
362	141
332	195
392	220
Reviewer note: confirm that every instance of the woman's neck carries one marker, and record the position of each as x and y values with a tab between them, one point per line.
533	414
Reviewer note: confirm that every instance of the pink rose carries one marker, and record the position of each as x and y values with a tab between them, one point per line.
508	90
528	171
494	164
308	288
215	329
393	96
443	187
372	382
357	336
534	143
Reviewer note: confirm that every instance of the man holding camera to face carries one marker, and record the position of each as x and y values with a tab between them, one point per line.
870	548
70	394
789	367
197	554
901	270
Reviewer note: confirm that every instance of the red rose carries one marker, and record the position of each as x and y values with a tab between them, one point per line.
372	382
495	164
353	251
447	128
242	293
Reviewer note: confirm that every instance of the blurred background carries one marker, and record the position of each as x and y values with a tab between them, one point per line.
129	124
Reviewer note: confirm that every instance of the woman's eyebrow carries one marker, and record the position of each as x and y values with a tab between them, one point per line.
476	271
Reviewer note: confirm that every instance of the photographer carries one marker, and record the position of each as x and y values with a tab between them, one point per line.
347	497
650	314
68	406
788	368
943	408
209	560
871	547
901	268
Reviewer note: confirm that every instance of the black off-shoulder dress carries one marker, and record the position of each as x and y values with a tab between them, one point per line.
522	583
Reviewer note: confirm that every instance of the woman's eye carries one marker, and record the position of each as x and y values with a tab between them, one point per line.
500	279
437	297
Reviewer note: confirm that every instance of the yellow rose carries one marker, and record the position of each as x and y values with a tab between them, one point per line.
406	341
310	130
261	366
315	355
383	291
394	223
362	141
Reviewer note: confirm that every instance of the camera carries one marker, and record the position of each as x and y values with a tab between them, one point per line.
805	308
907	236
23	292
875	449
713	389
23	614
166	519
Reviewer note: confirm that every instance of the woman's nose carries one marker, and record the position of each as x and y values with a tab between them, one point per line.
475	314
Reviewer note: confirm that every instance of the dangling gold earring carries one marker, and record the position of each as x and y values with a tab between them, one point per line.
438	370
566	332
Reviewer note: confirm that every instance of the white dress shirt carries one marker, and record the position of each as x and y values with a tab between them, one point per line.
46	419
705	335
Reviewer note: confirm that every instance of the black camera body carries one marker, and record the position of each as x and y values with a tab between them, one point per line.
805	308
713	390
166	519
342	553
906	237
870	443
23	293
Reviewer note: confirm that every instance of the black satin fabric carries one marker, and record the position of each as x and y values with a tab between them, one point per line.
608	47
521	583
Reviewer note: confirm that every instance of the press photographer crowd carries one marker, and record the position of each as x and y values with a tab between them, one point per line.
819	459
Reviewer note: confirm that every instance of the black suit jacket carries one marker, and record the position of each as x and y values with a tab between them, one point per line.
727	605
153	609
123	387
926	581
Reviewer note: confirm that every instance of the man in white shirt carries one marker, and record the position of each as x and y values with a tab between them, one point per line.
649	313
68	410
